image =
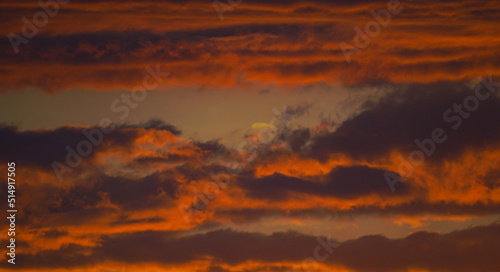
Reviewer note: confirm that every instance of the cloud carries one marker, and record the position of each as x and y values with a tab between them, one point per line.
399	118
247	52
341	182
146	192
464	250
39	148
156	124
412	209
122	204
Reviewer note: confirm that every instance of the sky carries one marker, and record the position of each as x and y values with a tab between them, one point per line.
238	135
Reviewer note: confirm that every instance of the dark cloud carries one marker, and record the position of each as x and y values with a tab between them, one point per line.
296	139
54	233
156	124
124	220
491	179
128	46
212	147
81	202
413	208
129	193
67	256
296	111
399	118
464	250
356	181
341	182
40	148
226	246
168	158
221	244
87	198
308	51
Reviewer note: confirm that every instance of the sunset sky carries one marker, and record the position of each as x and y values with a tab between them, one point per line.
238	135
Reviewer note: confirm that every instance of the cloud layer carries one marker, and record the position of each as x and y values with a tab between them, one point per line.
147	176
421	153
107	45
